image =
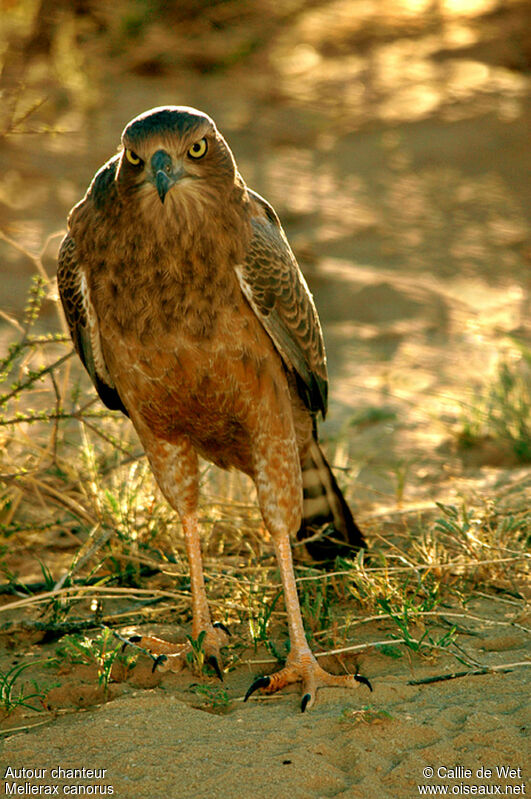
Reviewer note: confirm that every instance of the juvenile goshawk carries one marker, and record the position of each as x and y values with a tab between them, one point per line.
190	313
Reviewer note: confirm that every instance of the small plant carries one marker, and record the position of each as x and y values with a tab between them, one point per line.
259	620
12	697
100	652
315	607
456	522
477	529
390	651
58	608
426	642
402	472
196	655
216	698
502	409
372	416
364	715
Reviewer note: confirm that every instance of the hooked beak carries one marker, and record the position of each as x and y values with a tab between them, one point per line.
164	175
163	184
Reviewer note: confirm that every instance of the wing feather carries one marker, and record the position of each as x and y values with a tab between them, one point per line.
83	323
275	288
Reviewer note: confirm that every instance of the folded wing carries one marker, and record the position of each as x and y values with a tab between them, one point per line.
83	323
275	288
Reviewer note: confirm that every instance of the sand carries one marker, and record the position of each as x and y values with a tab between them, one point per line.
152	742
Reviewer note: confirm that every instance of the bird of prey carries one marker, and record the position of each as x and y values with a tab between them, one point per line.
189	312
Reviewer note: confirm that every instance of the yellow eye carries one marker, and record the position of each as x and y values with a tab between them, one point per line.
133	158
198	149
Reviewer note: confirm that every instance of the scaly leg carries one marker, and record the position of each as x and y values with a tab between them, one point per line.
280	496
301	665
176	471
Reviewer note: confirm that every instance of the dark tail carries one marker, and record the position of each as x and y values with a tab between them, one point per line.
327	519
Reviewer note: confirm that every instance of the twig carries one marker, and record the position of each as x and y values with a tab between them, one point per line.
58	409
45	416
371	645
505	667
22	118
26	726
37	376
515	602
10	320
83	591
36	259
127	642
58	629
105	437
418	567
423	613
60	496
355	648
92	545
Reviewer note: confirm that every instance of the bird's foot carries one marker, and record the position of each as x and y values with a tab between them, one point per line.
168	656
304	668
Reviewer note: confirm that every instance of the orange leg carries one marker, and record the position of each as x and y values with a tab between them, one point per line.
301	665
280	496
175	469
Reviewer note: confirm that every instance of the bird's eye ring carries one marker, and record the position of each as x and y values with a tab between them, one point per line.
198	148
133	158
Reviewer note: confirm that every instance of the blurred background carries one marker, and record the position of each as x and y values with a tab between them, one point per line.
392	137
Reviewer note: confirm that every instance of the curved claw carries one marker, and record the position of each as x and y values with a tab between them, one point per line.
213	662
363	680
260	682
305	699
221	626
133	639
157	661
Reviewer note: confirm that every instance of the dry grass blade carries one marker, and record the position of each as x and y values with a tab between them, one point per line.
505	667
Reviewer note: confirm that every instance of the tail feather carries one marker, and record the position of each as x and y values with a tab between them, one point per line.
328	528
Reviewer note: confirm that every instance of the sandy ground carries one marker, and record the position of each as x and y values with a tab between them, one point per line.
271	752
408	209
154	742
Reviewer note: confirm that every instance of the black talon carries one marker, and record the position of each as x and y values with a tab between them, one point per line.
363	680
222	627
305	699
260	682
213	661
133	639
157	661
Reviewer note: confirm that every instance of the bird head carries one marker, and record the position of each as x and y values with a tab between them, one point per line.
174	152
